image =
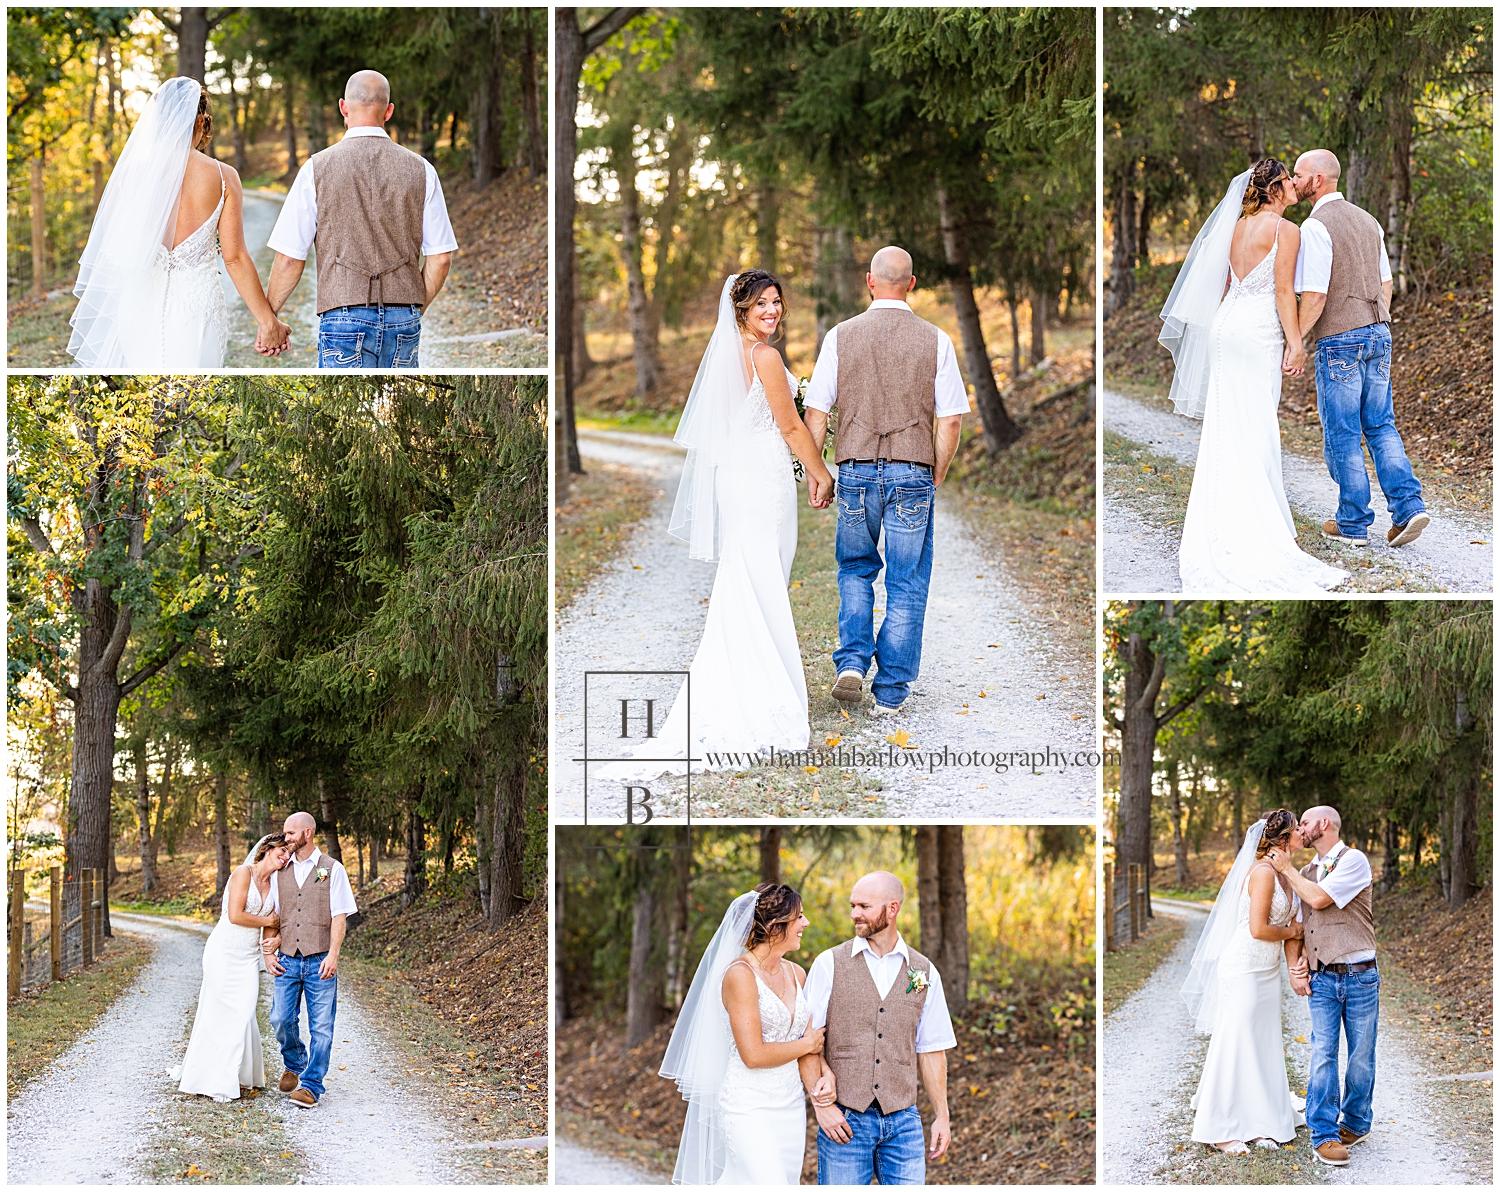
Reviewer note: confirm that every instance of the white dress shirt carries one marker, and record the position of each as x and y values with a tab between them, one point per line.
340	894
948	389
298	222
934	1028
1315	254
1351	874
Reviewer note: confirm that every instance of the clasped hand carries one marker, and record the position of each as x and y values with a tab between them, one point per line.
1293	360
819	490
273	340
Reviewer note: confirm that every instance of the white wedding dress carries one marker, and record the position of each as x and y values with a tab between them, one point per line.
224	1053
1239	538
1243	1093
762	1110
749	693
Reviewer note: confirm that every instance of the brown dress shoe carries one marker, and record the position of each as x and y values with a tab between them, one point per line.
1349	1137
287	1082
304	1098
1331	530
1335	1154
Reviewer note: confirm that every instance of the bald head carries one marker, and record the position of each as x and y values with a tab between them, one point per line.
367	99
1324	813
298	821
299	829
879	886
874	904
1316	174
890	273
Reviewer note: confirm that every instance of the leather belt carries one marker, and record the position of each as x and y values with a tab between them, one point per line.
1363	966
912	462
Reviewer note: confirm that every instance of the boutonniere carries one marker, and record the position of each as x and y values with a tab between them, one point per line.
916	981
322	874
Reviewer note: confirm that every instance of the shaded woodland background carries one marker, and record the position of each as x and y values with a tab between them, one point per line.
231	599
1404	96
467	84
1006	914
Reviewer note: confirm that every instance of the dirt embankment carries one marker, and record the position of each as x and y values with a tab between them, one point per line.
1020	1090
1442	371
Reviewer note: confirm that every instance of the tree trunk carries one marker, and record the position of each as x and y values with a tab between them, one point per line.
38	226
375	855
1179	841
1017	366
929	904
416	859
536	145
1399	201
1238	803
1039	303
1144	672
562	1009
770	855
192	42
582	361
954	897
317	124
678	918
1121	273
290	118
643	998
237	129
839	282
328	814
507	893
484	151
1142	256
359	857
999	430
637	303
143	818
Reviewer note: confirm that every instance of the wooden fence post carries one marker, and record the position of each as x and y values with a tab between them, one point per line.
1109	907
57	924
17	930
101	907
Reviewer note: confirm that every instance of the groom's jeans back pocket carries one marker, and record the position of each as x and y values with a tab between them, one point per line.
340	350
406	350
851	505
913	507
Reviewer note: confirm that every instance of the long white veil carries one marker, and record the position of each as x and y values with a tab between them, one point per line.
718	392
1201	990
698	1054
1195	297
135	220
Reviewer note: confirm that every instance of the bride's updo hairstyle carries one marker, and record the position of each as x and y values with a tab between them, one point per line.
1277	832
275	840
775	910
748	287
203	124
1264	175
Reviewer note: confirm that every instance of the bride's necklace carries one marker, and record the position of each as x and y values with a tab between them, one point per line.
767	973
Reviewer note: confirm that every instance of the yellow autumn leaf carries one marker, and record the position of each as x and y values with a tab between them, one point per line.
1301	1039
810	769
982	695
832	739
900	738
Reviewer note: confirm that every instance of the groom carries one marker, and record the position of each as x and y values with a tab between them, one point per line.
1343	985
882	1002
371	210
313	897
1344	277
891	374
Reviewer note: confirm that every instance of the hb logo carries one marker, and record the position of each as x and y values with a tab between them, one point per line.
649	719
621	708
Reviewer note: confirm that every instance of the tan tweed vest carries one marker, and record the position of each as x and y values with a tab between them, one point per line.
305	917
886	387
1331	934
871	1045
371	193
1355	297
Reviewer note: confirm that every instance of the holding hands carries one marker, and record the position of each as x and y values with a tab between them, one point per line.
273	337
1294	360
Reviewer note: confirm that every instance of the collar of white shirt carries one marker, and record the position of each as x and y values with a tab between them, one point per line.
889	304
863	945
1327	860
367	130
1327	199
312	859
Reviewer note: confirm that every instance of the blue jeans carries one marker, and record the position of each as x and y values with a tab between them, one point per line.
898	497
369	337
888	1146
300	980
1354	401
1350	1001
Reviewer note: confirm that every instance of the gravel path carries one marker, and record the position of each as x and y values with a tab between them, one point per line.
366	1130
574	1164
1454	554
1154	1058
648	608
1139	559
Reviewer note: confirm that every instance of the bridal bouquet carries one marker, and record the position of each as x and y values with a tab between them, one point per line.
800	399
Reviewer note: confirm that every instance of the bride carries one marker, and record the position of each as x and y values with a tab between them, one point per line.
149	298
1231	326
735	1048
738	498
224	1053
1234	992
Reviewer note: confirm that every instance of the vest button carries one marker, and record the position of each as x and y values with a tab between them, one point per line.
878	1035
877	1086
877	1061
882	1009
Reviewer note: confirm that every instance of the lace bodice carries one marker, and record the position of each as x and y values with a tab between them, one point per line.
1254	953
192	277
232	935
777	1025
757	409
1261	280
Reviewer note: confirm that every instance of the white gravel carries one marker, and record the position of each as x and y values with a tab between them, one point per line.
1454	554
573	1164
1153	1059
647	611
367	1129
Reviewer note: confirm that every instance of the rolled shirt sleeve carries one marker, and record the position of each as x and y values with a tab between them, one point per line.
1315	259
950	395
818	989
935	1028
437	232
1350	875
823	389
341	894
298	222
